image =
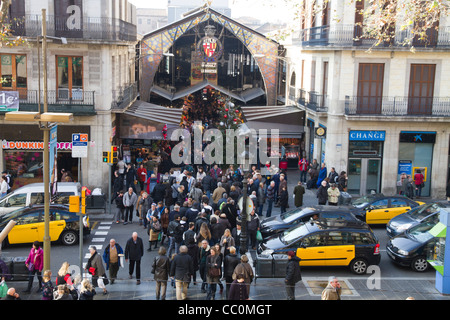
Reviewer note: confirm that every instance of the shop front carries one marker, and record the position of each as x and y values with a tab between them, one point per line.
416	154
365	161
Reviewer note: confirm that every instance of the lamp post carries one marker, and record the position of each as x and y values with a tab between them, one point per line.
46	121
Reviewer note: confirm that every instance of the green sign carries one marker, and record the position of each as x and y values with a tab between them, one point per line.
9	101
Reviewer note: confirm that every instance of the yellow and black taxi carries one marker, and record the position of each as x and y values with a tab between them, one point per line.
380	209
29	227
328	243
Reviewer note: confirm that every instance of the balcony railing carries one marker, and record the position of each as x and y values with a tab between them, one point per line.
91	28
397	106
313	101
78	102
124	97
351	35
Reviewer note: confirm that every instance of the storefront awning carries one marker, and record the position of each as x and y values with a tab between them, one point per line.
153	112
245	96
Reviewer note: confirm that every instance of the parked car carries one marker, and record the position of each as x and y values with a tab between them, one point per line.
380	209
412	247
424	213
64	225
280	223
327	242
33	193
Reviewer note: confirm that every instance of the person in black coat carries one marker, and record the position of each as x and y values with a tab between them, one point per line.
229	264
134	250
322	193
181	269
238	289
293	274
159	192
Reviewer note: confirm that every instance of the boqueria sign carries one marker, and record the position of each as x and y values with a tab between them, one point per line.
32	145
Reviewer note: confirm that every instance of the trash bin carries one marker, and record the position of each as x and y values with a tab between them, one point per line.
279	265
345	199
264	266
20	270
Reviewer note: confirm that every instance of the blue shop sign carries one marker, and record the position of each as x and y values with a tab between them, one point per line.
367	135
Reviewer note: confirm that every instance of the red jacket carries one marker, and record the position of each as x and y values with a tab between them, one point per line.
418	179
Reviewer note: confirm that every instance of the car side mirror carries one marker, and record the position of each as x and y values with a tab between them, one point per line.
370	208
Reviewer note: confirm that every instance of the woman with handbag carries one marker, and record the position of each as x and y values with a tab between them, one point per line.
213	272
35	264
154	229
95	267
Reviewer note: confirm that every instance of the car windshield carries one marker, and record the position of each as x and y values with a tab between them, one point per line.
11	215
293	234
293	215
420	232
424	211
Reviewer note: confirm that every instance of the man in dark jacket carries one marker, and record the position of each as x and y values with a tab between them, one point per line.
299	191
230	262
161	269
175	232
159	192
270	195
293	274
207	184
181	269
134	250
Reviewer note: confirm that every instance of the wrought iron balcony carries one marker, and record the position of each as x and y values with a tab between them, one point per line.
397	106
350	35
313	101
78	102
91	28
124	97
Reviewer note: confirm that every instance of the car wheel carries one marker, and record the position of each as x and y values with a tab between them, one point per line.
69	238
419	264
359	266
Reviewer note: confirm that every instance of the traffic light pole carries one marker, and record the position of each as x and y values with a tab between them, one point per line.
109	186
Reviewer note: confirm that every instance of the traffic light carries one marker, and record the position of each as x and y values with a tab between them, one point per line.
74	203
114	154
83	200
105	157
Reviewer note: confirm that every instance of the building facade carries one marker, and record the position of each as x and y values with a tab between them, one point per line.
372	113
90	76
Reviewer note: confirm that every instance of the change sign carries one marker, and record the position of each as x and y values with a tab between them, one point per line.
9	101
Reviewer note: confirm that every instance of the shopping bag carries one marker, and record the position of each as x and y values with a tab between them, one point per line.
3	289
259	236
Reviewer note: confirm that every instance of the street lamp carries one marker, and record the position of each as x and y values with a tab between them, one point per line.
46	121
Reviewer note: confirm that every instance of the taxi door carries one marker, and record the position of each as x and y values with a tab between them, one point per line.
339	250
311	250
398	206
56	226
26	229
378	212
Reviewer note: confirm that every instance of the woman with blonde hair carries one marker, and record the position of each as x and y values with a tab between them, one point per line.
203	234
226	242
47	286
64	275
87	291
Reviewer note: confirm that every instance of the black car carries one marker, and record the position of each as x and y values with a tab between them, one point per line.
64	225
425	213
277	224
412	248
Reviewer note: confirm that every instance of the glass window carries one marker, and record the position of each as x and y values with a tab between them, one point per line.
13	71
380	204
315	240
396	203
336	238
17	200
55	216
32	217
362	238
37	198
70	77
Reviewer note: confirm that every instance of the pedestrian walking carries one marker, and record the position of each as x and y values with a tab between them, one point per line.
129	202
303	167
213	272
333	290
322	193
134	250
161	270
181	269
95	267
203	254
154	230
119	216
238	289
111	257
284	200
252	229
270	196
299	191
246	270
175	232
293	274
35	264
230	262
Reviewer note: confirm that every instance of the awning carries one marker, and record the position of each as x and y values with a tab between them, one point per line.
245	96
154	112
